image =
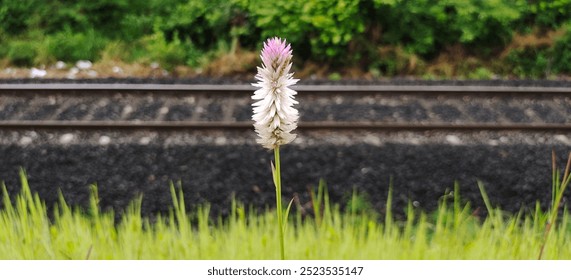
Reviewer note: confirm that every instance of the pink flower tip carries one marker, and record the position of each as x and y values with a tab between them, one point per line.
275	51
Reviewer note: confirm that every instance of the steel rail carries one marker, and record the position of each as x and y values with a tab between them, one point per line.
66	87
248	89
185	125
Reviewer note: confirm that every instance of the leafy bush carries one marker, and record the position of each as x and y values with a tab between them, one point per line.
15	15
424	26
54	16
541	58
320	29
103	15
81	16
548	13
481	73
203	22
562	53
168	54
534	62
70	47
486	23
343	33
22	53
395	61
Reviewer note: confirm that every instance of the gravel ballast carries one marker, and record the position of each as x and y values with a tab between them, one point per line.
212	166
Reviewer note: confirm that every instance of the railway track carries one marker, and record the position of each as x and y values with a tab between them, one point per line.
179	107
137	138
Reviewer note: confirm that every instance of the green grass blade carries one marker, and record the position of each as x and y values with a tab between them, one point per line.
286	216
486	200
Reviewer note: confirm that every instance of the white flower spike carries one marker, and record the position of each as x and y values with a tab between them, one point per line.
274	115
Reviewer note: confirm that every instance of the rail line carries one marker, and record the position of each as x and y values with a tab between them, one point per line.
185	125
245	88
139	138
333	107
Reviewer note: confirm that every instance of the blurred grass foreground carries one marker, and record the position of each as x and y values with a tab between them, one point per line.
471	39
30	231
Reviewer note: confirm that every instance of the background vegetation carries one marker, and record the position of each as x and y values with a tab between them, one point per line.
354	38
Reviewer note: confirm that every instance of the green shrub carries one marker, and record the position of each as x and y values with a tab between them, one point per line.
3	44
104	15
542	60
54	16
22	53
411	24
530	62
144	16
562	53
70	47
177	32
480	73
320	29
336	33
168	54
79	16
395	61
424	26
486	24
203	22
15	16
135	26
548	13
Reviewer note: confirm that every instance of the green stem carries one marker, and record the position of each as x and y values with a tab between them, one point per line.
279	210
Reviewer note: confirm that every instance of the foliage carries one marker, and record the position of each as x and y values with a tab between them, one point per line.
394	61
344	33
551	13
322	29
202	22
22	53
71	46
542	58
481	73
562	52
529	62
168	54
15	15
426	25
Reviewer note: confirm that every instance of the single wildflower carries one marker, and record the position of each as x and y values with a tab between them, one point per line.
274	115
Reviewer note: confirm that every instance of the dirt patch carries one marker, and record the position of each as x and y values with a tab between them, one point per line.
235	63
536	39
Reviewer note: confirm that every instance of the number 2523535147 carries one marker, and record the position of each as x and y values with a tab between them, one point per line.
330	270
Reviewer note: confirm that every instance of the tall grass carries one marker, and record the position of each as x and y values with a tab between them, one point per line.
451	232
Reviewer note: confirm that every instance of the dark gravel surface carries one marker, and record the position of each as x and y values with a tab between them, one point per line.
516	174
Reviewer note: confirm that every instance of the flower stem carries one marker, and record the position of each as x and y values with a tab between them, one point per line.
279	210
